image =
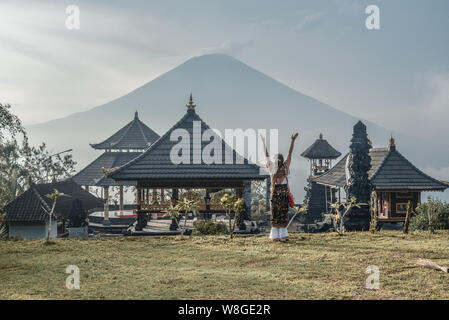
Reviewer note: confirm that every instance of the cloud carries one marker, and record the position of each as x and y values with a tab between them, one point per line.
438	98
229	47
438	173
308	19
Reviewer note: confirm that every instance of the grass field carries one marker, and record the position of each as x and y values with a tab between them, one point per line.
310	266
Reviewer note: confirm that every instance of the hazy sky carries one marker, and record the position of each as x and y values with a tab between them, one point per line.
397	76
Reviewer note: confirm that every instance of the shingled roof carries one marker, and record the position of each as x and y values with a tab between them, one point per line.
92	175
320	149
29	206
390	170
155	163
135	135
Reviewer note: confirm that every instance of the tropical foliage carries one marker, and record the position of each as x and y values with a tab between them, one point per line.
340	211
21	163
209	227
431	215
187	206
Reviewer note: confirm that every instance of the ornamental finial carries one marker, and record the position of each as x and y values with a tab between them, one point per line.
191	105
392	142
321	136
136	114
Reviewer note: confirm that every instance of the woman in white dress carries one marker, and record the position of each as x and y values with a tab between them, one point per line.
279	192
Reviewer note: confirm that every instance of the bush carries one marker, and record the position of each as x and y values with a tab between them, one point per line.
431	215
209	227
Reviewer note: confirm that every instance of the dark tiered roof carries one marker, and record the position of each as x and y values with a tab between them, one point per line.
92	175
29	206
135	135
155	163
320	149
390	170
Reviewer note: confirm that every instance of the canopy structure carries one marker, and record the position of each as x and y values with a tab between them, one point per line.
126	144
29	206
158	167
320	149
136	135
397	182
390	170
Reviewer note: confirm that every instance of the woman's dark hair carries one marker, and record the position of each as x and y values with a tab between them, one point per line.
280	160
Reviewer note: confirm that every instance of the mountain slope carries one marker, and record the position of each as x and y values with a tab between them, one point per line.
228	94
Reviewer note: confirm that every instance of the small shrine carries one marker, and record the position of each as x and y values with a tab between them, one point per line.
320	156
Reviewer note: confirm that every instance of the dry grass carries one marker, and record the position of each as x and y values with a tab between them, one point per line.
310	266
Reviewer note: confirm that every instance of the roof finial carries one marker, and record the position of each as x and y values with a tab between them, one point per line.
392	142
136	115
321	136
191	105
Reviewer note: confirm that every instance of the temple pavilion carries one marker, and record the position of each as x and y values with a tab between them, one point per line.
396	182
123	146
320	156
154	172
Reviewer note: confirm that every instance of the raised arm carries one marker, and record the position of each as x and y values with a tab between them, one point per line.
265	147
290	151
267	155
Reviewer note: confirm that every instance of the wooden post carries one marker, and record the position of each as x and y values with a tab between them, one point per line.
162	195
138	198
121	199
106	206
174	199
407	217
207	214
154	195
325	197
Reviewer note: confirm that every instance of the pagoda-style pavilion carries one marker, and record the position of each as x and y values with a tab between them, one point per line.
396	181
155	169
120	148
320	155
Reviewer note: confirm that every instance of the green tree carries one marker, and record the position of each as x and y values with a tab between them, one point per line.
20	164
187	206
53	196
173	212
431	215
41	166
9	123
13	176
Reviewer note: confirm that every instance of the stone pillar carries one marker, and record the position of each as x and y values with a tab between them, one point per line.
106	220
241	217
359	184
267	198
121	198
141	220
248	198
